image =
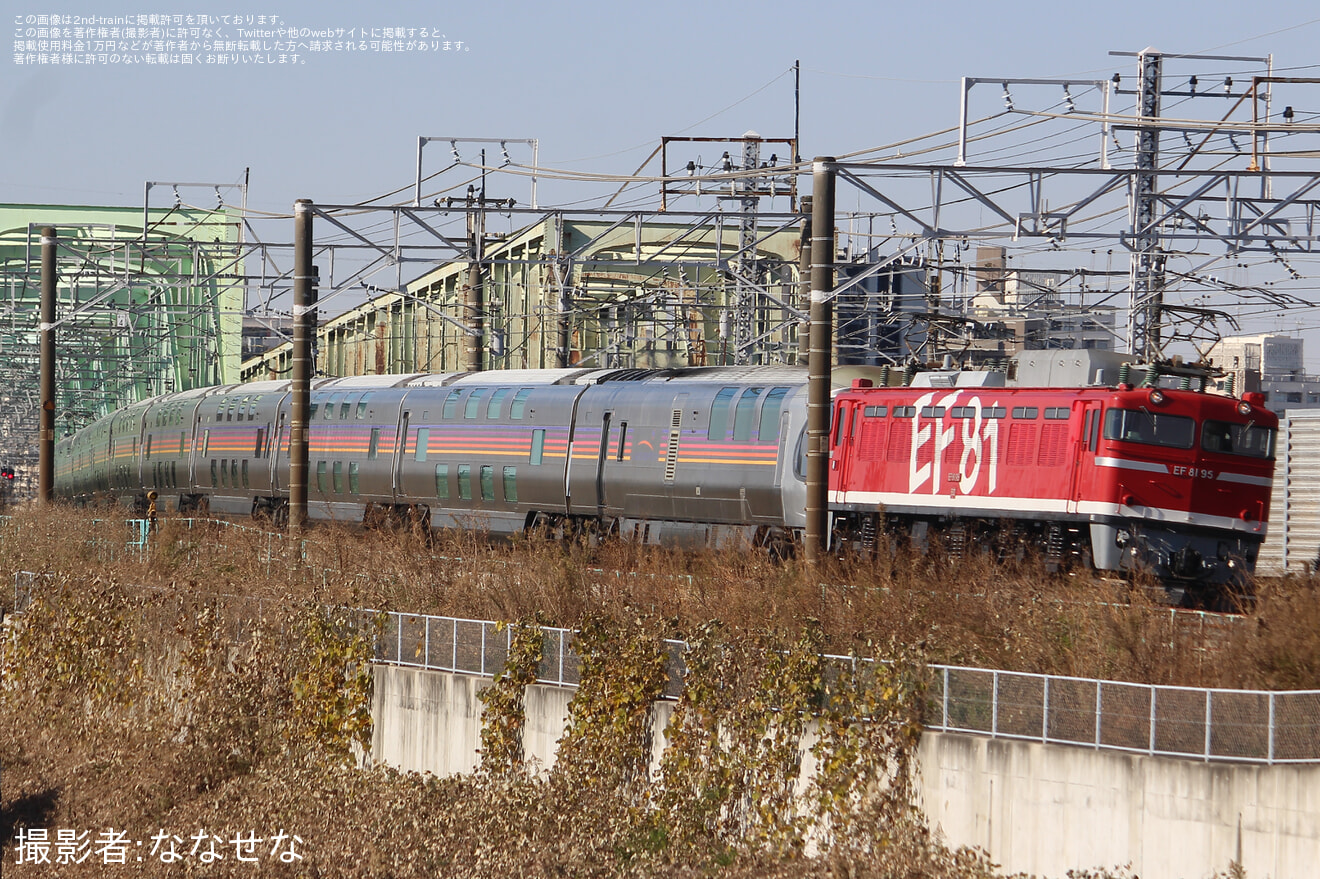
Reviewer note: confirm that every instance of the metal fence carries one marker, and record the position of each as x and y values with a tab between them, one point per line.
1228	725
1206	724
1232	725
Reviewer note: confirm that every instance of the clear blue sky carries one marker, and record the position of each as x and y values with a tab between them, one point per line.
598	83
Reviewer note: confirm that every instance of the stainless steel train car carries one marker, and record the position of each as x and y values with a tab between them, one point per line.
692	456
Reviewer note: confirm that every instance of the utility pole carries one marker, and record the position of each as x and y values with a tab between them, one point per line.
46	445
474	305
818	358
1147	279
304	332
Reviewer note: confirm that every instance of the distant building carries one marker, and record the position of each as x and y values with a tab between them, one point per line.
873	316
1015	310
264	333
1269	364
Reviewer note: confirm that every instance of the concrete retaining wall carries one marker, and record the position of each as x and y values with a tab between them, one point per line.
1041	809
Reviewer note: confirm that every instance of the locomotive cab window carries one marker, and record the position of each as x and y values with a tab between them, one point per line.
1250	440
1149	428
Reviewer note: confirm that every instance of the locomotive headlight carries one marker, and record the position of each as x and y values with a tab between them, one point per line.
1244	407
1156	397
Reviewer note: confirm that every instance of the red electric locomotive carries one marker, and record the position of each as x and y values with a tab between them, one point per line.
1173	482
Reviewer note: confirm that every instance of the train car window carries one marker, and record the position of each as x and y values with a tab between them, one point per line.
519	403
994	412
905	412
339	477
442	481
876	411
206	442
219	412
496	403
719	414
465	482
836	426
311	414
768	429
1149	428
451	404
174	475
1026	412
373	447
352	477
320	476
538	445
932	411
511	485
362	406
344	408
261	441
1250	440
146	449
473	404
800	455
623	441
423	443
1057	413
743	412
245	473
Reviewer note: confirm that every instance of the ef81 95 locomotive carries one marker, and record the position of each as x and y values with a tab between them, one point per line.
1169	481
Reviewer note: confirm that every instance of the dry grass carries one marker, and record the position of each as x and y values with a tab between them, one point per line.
970	612
138	708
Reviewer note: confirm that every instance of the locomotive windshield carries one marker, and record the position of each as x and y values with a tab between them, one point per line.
1151	428
1226	438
